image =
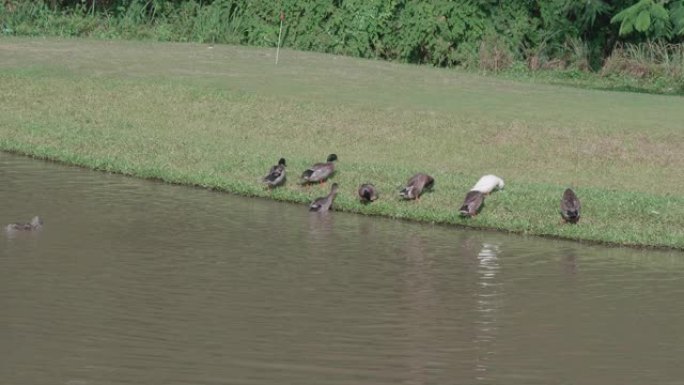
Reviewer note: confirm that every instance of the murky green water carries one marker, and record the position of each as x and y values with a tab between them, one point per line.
134	282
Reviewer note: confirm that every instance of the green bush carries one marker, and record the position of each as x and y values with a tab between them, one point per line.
544	33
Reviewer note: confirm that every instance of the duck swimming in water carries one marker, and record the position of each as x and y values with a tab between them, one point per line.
416	185
276	176
35	224
570	207
324	204
320	172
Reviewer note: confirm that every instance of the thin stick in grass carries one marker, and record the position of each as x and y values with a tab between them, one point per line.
280	35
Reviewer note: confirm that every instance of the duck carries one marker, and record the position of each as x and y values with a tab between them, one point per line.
324	204
368	193
570	206
276	176
35	224
320	172
472	203
488	183
415	186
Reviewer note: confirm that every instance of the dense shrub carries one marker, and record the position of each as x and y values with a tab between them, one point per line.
489	33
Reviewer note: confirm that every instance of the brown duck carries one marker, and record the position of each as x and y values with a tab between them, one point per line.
472	203
324	204
35	224
416	185
320	172
570	207
276	175
368	193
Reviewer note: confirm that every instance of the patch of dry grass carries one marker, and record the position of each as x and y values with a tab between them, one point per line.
646	60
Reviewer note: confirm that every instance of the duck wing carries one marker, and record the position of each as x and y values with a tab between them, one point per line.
472	203
318	171
274	174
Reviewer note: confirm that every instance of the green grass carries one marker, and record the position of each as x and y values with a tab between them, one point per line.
663	85
219	117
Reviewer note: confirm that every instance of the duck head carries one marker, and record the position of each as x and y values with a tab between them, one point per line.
36	222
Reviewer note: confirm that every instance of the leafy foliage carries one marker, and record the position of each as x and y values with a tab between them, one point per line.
677	17
545	33
646	16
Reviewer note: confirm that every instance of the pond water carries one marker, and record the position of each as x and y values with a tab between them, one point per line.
138	282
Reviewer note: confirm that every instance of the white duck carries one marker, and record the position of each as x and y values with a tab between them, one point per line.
488	183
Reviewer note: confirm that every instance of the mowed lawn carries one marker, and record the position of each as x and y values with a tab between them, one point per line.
220	116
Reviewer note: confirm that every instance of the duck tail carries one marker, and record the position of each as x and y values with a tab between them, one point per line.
307	174
270	178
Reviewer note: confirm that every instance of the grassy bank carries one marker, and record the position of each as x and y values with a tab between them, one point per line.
219	117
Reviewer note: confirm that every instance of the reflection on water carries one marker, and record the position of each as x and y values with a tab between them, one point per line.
568	259
488	303
133	282
422	308
320	229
